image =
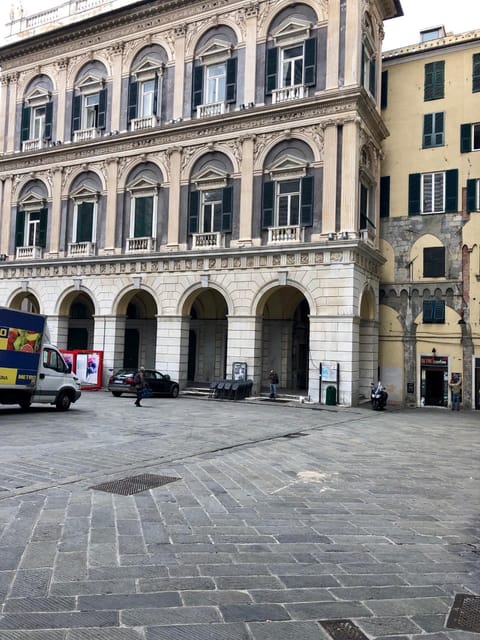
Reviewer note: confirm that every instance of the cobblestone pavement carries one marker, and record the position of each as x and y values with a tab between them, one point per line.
282	516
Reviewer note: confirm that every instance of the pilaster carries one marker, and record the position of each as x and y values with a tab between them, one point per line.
349	198
55	212
330	179
180	33
175	156
111	216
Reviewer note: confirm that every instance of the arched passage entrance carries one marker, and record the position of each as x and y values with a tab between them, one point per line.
139	311
80	323
285	337
207	336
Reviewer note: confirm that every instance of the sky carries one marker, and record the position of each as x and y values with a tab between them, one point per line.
456	15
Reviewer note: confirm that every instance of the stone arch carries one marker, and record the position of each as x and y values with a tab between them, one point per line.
191	293
74	73
200	35
258	302
202	153
79	171
27	184
139	47
123	297
131	166
368	305
285	6
25	301
263	157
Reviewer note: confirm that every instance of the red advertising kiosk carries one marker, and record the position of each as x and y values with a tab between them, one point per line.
87	365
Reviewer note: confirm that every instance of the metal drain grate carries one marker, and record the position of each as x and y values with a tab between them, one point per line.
134	484
465	613
342	630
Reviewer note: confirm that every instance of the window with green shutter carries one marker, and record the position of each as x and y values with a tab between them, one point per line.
434	311
434	262
473	195
143	217
85	211
434	86
433	130
476	73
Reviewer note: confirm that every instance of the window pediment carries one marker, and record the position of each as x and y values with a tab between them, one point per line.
211	179
38	97
84	194
32	202
90	84
288	167
142	185
292	31
147	69
215	51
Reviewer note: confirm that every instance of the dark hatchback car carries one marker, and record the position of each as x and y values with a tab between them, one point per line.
159	383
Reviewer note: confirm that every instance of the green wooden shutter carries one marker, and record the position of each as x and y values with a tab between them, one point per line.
227	207
267	204
102	109
197	95
20	229
193	208
465	138
155	95
372	81
25	127
434	262
439	128
434	80
428	130
385	196
414	194
384	95
42	228
85	221
77	113
47	134
271	70
310	68
143	217
451	191
132	100
476	73
306	205
231	80
471	195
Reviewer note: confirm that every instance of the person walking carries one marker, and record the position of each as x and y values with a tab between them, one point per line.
139	381
273	376
455	385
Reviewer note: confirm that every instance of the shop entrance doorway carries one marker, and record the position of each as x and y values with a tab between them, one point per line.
434	374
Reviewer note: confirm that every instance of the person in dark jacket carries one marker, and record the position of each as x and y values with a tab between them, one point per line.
273	384
139	381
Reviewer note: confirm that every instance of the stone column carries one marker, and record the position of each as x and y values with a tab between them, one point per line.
111	215
245	345
109	337
353	43
349	201
333	340
333	44
251	13
57	329
180	33
4	81
55	212
61	67
116	58
12	109
175	171
329	204
172	347
246	193
7	220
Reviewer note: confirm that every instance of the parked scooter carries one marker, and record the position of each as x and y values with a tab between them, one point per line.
378	396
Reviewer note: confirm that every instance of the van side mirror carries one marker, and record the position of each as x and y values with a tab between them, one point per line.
68	368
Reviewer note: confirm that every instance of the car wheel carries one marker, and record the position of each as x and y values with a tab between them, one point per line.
175	391
117	394
63	402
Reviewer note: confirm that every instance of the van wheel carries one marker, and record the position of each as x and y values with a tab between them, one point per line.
116	394
25	404
63	402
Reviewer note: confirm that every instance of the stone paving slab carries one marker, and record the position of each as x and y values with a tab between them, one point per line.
369	516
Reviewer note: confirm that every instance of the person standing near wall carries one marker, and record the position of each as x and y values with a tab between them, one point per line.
139	381
273	376
455	385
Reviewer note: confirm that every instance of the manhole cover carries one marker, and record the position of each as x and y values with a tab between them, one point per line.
342	630
134	484
465	613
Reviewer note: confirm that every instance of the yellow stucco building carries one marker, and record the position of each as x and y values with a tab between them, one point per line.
430	223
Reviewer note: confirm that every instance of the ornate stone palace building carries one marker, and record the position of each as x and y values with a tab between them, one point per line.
189	184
